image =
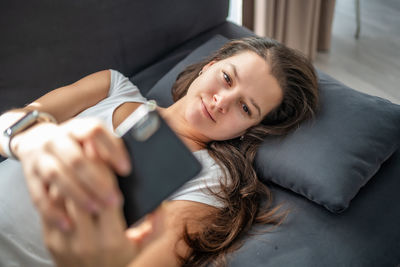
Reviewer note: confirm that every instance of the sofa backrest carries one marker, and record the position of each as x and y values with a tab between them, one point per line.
46	44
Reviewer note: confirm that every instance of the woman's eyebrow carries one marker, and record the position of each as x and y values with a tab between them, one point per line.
251	99
256	106
234	70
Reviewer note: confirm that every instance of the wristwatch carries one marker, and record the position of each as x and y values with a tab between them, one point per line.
21	125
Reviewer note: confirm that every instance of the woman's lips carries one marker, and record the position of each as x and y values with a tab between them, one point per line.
205	111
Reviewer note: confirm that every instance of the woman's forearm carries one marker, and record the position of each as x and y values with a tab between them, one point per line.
62	103
68	101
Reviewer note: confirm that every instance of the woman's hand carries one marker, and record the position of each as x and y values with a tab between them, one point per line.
78	158
93	240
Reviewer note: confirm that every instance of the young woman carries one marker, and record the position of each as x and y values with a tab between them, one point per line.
224	107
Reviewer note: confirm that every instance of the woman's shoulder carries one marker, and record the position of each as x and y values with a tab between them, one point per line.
204	157
120	85
210	165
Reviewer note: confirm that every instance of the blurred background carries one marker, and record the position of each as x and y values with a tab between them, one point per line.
355	41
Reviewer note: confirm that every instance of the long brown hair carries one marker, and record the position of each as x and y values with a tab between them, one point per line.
246	200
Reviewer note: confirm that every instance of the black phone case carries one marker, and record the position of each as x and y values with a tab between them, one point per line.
160	165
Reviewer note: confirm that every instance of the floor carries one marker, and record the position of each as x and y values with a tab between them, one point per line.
370	64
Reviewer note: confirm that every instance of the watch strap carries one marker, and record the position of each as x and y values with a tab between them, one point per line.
4	144
27	121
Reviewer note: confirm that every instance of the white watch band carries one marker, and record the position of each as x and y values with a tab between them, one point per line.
27	121
6	148
4	141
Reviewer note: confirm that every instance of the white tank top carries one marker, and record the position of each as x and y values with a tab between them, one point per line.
21	241
122	90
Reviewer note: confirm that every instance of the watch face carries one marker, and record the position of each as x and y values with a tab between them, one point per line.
22	123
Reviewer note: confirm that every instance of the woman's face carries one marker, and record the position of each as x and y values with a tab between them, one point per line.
231	96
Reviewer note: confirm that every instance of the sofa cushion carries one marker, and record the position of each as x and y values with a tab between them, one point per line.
365	235
329	159
326	160
46	45
148	77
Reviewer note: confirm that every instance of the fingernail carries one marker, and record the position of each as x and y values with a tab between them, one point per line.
64	225
93	207
113	200
125	167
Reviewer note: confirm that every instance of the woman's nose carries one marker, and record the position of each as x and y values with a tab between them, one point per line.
221	102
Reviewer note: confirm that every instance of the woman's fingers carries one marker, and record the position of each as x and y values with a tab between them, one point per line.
111	221
51	210
78	157
111	229
55	170
90	182
83	223
110	148
83	239
58	202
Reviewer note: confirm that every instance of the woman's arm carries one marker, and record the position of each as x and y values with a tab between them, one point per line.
66	155
93	240
165	244
65	102
100	240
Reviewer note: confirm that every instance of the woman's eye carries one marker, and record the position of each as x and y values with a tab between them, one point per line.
227	78
246	109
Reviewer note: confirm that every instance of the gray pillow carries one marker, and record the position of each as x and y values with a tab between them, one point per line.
330	159
327	160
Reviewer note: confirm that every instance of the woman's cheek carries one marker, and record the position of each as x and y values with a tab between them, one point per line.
233	129
192	116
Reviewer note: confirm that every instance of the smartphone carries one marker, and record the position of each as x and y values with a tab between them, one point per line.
161	162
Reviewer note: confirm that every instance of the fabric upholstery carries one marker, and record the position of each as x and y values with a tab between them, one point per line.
66	40
364	235
330	159
327	160
48	44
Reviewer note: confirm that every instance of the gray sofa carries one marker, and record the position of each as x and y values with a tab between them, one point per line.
334	220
